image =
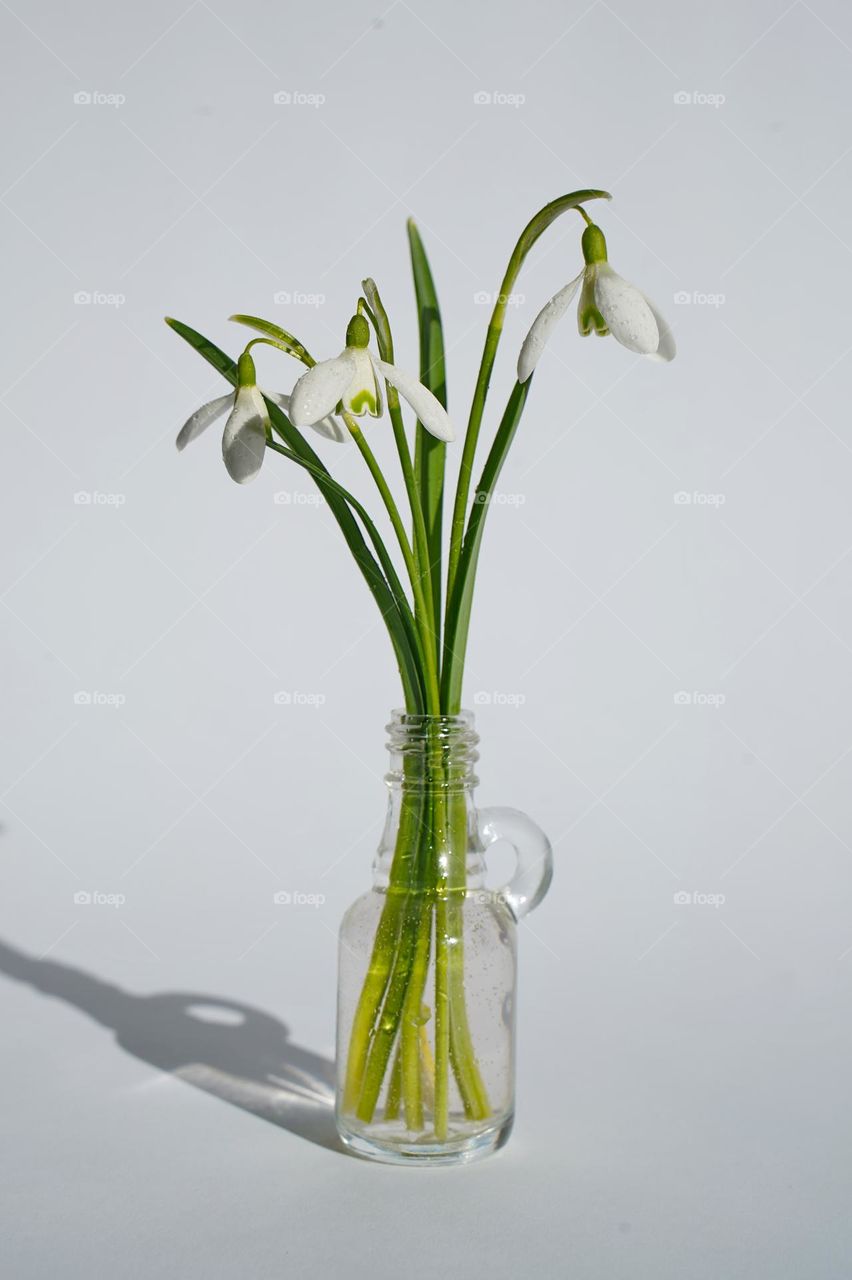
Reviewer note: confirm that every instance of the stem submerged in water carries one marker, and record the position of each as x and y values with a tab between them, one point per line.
422	921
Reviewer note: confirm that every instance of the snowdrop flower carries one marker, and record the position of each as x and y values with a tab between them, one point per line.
354	380
244	439
608	304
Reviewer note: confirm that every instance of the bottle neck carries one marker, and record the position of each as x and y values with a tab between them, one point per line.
431	817
432	753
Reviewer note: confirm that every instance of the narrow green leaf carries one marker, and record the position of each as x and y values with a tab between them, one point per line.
429	453
375	308
460	605
393	607
211	353
278	335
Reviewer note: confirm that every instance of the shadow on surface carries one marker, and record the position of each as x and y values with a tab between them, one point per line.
235	1052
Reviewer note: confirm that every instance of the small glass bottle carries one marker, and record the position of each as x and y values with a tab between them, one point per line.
427	977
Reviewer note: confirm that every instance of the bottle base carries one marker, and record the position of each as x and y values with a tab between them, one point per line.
391	1144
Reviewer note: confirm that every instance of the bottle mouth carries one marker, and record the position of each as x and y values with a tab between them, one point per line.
402	719
440	750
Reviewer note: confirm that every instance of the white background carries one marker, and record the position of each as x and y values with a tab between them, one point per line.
683	1067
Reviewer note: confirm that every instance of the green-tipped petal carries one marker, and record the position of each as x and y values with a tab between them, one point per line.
364	393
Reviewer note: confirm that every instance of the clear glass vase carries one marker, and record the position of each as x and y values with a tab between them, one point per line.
427	979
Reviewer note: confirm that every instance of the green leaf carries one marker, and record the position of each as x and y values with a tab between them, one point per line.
388	594
460	605
224	364
278	335
375	309
429	453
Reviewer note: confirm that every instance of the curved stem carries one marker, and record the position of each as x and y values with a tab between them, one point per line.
531	232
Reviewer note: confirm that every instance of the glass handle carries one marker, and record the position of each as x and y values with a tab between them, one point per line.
534	872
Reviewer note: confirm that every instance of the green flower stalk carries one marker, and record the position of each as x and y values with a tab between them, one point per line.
411	1045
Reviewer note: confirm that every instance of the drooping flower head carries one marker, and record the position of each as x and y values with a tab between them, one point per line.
244	438
608	304
354	380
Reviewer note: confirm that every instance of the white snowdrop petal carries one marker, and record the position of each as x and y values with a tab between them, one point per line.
666	350
202	419
629	318
244	440
279	398
544	323
330	427
317	392
429	410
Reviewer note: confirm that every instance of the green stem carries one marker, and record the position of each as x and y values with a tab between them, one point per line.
402	879
412	1020
422	610
460	604
463	1056
530	234
421	540
442	1019
387	1023
394	1087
